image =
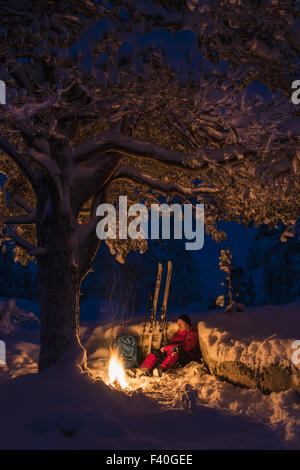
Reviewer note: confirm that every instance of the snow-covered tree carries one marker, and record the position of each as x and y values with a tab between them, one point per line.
231	294
143	98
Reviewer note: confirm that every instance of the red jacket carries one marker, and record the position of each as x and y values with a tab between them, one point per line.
187	341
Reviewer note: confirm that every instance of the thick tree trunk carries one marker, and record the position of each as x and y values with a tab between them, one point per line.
70	252
59	280
59	291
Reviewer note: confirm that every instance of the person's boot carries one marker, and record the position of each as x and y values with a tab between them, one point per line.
157	372
131	371
149	362
141	371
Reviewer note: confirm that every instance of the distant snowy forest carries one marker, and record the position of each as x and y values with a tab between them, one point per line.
269	275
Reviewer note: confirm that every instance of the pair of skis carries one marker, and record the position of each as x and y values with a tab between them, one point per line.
154	335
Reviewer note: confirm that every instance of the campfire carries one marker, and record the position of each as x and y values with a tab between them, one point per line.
116	372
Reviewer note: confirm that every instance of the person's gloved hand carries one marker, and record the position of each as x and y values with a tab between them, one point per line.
170	348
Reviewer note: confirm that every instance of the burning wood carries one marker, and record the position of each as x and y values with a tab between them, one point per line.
116	372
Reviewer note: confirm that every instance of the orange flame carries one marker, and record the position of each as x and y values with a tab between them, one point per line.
116	371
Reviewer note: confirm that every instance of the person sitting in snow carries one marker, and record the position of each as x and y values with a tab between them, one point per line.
183	348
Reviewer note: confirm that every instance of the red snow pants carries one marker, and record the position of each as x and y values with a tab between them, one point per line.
166	364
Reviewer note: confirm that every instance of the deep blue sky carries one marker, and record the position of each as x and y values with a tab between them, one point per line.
239	238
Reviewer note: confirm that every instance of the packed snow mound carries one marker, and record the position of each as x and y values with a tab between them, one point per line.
21	359
258	337
14	318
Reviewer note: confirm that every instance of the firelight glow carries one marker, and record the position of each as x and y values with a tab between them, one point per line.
116	371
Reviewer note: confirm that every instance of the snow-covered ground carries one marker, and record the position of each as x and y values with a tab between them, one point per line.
185	409
58	409
258	337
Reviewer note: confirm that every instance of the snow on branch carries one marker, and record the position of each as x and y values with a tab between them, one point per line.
111	141
29	110
115	142
132	174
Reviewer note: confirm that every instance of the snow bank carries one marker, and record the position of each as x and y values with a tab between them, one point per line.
253	348
19	329
21	359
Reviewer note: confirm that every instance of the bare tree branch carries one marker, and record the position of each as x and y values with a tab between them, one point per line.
31	249
86	243
22	203
20	219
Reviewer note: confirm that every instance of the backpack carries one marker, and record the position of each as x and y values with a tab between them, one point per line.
128	350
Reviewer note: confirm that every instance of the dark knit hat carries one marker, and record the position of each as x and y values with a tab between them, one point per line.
186	319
